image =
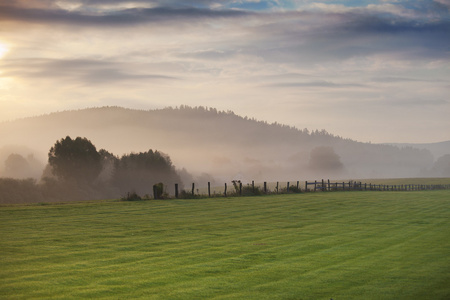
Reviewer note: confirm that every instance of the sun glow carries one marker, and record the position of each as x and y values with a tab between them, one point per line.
3	49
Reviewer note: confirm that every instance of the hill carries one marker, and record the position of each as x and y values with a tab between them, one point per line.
222	144
437	149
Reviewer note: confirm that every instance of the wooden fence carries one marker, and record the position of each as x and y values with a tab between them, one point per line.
309	186
359	186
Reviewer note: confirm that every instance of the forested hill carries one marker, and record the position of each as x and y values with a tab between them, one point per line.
222	144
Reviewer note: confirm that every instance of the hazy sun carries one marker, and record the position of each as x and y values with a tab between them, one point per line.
3	49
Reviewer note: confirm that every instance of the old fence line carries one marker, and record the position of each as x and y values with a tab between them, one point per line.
351	185
309	186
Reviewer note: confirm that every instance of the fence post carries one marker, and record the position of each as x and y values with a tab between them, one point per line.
287	187
253	186
306	186
193	188
209	189
176	190
155	192
277	187
240	188
265	187
315	185
298	186
225	191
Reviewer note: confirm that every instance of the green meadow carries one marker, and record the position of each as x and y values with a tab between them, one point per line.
341	245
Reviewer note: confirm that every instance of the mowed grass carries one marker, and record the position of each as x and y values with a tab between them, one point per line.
342	245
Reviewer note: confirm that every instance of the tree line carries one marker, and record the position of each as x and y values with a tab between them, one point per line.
76	170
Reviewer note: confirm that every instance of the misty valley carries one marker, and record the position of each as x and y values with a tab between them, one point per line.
109	152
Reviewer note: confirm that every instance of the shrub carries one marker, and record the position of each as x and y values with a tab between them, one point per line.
249	190
158	190
294	189
131	197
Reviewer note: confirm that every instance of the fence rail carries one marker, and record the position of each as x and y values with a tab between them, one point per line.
351	185
238	189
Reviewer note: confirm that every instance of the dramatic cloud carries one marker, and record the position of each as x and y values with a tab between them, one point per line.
315	64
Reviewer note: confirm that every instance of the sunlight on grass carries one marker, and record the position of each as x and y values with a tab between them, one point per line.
347	245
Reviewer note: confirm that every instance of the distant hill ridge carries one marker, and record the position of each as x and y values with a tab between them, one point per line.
437	149
223	144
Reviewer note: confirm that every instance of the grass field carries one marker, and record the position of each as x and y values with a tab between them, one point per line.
342	245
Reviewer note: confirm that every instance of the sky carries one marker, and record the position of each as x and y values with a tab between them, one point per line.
372	71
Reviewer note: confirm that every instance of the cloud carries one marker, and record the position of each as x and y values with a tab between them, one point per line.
122	17
356	35
408	103
302	37
87	72
211	54
264	59
444	3
392	79
317	84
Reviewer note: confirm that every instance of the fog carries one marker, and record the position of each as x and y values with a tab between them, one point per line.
21	162
206	145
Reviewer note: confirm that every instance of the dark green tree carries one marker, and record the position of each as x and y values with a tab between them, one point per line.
75	159
138	172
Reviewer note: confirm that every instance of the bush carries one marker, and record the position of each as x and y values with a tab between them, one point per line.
188	195
20	191
158	190
294	189
131	197
249	190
